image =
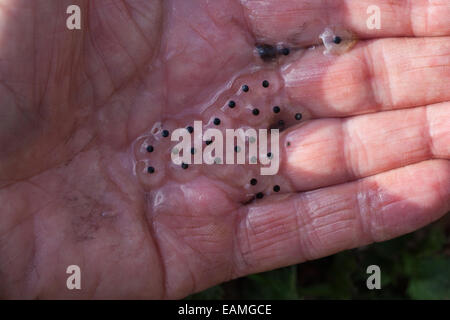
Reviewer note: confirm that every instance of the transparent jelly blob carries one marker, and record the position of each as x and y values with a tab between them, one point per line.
337	40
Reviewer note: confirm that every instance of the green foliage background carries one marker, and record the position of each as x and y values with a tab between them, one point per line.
415	266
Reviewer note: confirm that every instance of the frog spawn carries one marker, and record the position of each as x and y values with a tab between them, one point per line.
234	109
256	100
337	41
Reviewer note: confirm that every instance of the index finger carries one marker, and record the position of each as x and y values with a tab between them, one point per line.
302	20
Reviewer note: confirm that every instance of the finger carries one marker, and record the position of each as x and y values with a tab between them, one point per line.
301	21
331	151
379	75
290	229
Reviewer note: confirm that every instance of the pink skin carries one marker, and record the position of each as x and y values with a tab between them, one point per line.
369	161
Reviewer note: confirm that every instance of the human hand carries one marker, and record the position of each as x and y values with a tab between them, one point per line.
368	161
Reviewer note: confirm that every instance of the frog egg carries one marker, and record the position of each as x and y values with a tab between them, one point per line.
337	41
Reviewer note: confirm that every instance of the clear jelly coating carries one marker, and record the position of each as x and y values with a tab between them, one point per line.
255	97
337	40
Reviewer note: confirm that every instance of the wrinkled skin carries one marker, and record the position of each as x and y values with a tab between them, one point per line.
373	163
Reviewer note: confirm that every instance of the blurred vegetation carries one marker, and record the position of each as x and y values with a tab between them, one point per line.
415	266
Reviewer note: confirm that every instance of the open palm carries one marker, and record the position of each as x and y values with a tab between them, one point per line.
369	160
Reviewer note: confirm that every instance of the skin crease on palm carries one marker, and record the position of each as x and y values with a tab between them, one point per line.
368	162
